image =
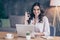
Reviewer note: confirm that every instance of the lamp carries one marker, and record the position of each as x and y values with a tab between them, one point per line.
55	3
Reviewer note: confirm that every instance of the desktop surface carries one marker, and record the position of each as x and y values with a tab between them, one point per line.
2	35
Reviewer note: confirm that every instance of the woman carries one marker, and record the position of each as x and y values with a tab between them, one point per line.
38	18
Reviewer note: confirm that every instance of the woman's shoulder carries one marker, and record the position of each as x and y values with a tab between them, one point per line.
45	18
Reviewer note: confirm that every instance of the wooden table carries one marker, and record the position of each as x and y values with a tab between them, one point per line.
2	37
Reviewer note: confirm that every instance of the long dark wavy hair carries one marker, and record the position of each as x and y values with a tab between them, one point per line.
40	16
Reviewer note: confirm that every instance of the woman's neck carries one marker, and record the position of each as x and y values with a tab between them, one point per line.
36	17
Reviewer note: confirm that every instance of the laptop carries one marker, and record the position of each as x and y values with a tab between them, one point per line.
22	29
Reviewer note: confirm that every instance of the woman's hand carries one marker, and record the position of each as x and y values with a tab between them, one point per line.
39	34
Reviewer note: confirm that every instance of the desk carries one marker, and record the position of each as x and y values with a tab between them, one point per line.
2	35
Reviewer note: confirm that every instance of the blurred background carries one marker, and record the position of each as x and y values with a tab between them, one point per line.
13	11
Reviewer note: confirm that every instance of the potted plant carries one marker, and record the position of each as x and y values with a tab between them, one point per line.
28	36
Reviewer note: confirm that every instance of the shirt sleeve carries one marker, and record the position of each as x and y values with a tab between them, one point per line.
47	27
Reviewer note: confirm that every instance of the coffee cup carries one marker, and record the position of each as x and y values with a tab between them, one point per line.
9	36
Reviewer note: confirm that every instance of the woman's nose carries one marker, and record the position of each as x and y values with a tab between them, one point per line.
36	11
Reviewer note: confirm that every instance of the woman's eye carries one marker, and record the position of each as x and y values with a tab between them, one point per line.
33	9
38	9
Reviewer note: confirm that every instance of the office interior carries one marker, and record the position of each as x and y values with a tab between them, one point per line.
11	12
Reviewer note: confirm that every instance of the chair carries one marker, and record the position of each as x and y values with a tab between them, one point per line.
16	20
7	29
52	31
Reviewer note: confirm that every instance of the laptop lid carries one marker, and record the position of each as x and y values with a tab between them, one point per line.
22	29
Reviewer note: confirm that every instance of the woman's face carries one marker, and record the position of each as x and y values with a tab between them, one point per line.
36	10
